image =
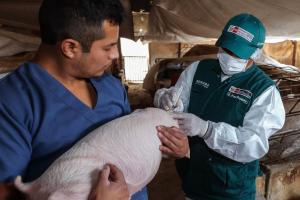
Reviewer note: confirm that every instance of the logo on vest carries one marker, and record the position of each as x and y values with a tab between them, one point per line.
240	94
202	83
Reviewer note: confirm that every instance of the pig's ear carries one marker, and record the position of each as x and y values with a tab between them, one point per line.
72	191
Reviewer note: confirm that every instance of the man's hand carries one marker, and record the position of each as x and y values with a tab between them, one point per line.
191	124
174	141
169	99
111	185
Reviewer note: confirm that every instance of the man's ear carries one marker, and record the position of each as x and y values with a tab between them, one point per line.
70	48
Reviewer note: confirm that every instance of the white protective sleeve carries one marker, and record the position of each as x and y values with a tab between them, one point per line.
250	141
185	80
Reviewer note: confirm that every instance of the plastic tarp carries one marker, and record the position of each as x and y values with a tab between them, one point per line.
23	14
12	43
193	21
19	27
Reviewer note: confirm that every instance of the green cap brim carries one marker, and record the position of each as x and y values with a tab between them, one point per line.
236	45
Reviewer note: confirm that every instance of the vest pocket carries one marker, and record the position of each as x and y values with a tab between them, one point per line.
219	172
238	180
235	177
208	173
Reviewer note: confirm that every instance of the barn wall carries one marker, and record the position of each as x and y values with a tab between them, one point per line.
282	51
162	50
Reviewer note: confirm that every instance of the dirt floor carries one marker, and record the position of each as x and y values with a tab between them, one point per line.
166	184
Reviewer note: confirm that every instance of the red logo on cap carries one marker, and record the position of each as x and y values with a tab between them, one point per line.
235	29
241	32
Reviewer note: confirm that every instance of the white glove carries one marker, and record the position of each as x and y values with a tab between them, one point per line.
191	124
168	99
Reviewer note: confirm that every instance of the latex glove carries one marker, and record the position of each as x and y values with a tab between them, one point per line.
168	99
191	124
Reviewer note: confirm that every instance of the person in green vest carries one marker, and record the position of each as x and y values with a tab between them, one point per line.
227	108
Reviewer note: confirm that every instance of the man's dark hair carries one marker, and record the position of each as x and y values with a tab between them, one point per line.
80	20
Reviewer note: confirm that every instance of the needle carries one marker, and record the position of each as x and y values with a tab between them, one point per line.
176	98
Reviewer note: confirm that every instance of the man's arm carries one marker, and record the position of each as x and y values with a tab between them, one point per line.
250	141
15	145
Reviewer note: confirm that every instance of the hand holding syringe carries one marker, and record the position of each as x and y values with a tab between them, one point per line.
177	105
169	99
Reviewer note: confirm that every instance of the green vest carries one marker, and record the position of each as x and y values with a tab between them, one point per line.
208	175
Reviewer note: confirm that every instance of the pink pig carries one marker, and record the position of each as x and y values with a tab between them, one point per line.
129	142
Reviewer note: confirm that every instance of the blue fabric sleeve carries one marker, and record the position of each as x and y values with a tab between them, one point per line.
140	195
15	143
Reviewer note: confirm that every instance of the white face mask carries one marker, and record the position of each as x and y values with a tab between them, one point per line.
229	64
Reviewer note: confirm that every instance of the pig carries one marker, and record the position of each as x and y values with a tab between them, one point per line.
130	142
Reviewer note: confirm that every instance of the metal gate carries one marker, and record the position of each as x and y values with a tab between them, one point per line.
136	68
